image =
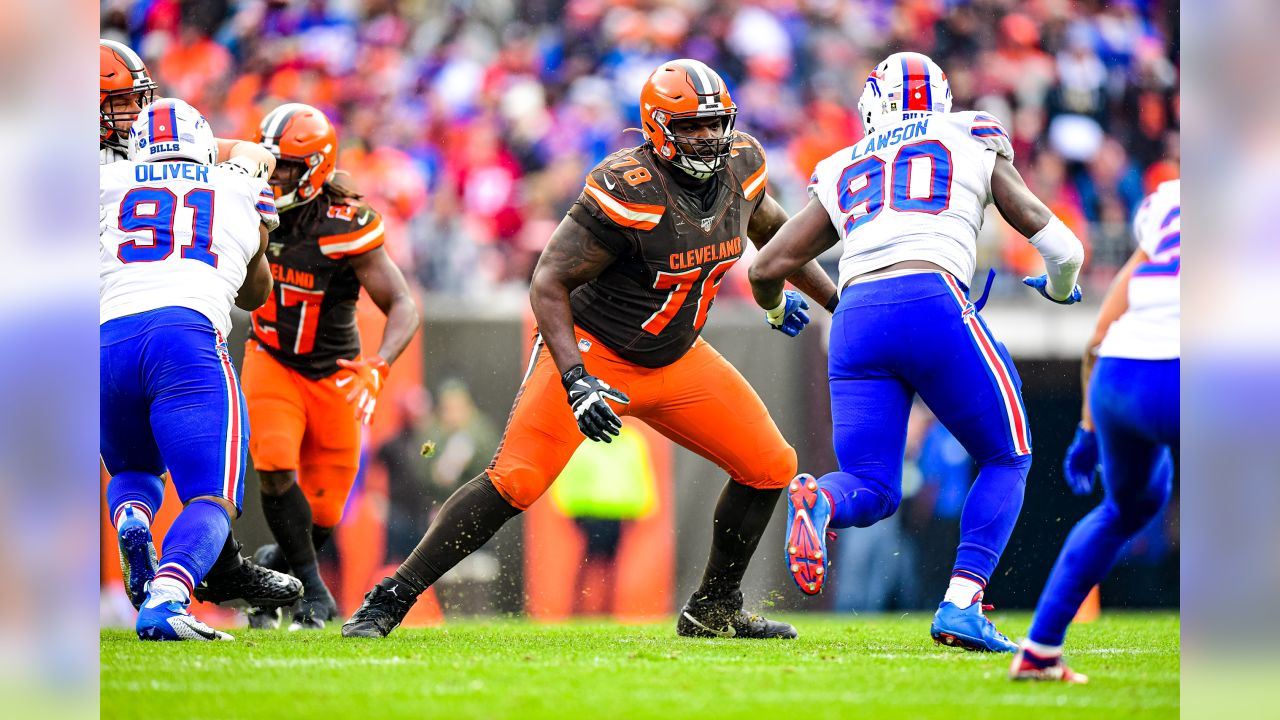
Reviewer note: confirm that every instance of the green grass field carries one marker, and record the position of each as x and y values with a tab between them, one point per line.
857	666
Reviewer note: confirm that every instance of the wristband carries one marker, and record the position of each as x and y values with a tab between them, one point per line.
776	315
572	375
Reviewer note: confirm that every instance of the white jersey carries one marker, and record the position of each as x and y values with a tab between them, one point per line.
913	191
1148	330
108	154
177	234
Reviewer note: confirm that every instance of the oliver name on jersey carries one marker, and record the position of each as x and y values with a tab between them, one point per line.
309	322
650	304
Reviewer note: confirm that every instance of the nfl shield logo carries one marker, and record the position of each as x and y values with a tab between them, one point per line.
706	224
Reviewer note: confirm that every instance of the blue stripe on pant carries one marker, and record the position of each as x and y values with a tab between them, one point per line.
895	337
1135	413
170	399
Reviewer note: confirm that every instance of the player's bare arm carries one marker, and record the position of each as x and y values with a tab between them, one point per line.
1062	251
572	257
1114	305
257	284
389	291
809	278
1015	201
790	253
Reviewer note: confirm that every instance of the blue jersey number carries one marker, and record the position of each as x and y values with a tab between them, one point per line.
152	210
868	174
1167	260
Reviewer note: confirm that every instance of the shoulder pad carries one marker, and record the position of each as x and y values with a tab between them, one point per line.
349	227
750	168
622	186
986	129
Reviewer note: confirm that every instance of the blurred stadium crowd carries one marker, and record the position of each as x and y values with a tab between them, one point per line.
472	124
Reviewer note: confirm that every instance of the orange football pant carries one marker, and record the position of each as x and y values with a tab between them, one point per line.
700	402
304	425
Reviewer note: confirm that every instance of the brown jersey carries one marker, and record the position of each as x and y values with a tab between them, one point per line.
650	304
309	322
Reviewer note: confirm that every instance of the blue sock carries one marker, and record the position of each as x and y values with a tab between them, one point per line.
855	502
142	490
990	512
193	543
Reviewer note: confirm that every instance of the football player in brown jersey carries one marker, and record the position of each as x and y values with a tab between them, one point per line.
620	295
124	88
307	385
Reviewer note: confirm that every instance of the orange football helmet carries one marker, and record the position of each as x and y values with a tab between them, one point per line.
687	89
306	145
121	75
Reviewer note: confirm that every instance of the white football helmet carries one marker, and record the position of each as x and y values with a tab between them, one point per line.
170	129
902	85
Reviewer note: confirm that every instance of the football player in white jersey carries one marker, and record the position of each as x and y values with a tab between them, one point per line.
1130	421
907	201
183	240
125	88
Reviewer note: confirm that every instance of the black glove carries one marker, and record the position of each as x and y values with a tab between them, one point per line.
587	395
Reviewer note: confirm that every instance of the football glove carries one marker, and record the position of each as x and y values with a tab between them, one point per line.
1041	286
587	397
1080	466
245	166
789	316
366	380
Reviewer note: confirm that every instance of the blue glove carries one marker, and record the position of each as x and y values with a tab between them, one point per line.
789	317
1080	466
1042	282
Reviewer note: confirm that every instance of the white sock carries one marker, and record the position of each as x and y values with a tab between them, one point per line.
1042	651
165	589
137	511
962	592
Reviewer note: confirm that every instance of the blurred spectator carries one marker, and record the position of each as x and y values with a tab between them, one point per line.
603	488
464	439
471	125
411	497
878	568
933	514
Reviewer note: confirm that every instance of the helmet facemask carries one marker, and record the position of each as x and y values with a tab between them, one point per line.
290	175
700	157
117	115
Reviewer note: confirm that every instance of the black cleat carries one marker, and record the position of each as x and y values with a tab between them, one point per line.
383	609
249	585
724	617
264	618
314	610
270	557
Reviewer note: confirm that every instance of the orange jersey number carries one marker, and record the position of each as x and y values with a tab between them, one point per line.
637	176
309	319
680	284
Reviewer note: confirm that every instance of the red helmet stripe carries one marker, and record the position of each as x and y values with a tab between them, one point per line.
168	116
916	90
